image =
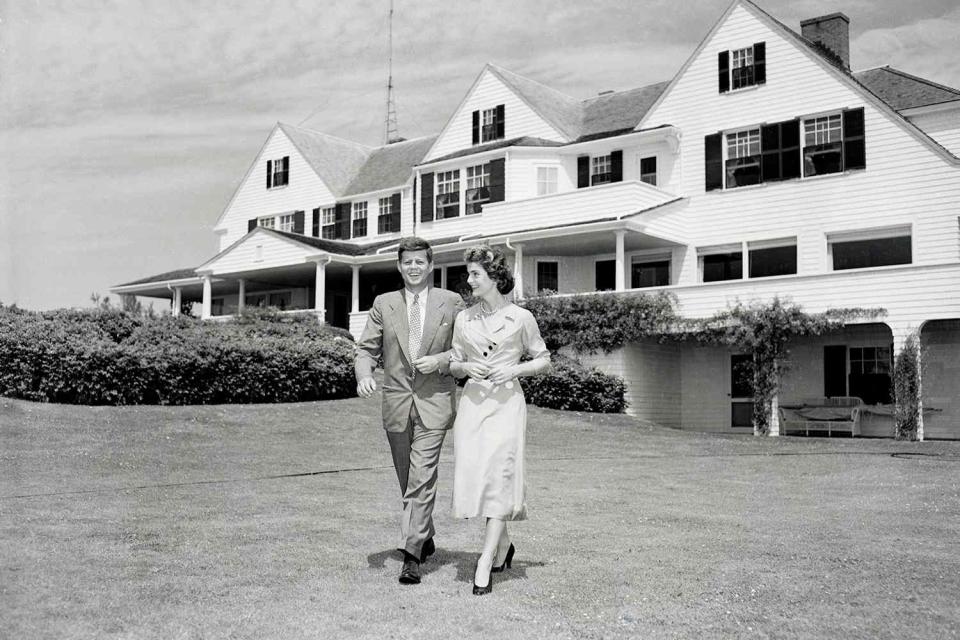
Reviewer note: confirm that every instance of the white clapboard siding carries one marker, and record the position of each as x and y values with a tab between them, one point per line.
274	252
580	205
304	192
487	93
941	373
521	173
942	126
906	181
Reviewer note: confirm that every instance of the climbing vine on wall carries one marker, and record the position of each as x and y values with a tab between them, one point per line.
906	390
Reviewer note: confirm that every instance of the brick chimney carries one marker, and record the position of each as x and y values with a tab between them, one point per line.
832	32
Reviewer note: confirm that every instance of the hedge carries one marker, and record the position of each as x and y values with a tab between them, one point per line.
572	387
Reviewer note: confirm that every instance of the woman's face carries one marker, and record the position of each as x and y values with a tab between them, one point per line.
478	279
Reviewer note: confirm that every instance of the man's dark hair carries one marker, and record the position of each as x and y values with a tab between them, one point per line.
414	243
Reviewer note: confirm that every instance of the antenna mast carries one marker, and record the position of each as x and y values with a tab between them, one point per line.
391	134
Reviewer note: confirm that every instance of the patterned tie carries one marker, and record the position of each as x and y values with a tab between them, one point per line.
415	329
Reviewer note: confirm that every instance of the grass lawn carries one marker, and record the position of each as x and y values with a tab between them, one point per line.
280	522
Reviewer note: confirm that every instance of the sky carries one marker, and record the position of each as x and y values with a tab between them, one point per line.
126	125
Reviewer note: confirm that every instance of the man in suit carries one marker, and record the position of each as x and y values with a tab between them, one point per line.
412	330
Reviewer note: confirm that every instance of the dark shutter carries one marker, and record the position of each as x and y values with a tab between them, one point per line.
760	63
854	142
616	166
501	121
713	155
583	172
269	173
426	197
395	212
251	224
497	180
316	223
476	127
286	169
298	222
341	227
770	152
723	71
790	149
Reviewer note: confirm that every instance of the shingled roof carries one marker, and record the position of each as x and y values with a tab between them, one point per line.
336	161
178	274
390	166
904	91
618	111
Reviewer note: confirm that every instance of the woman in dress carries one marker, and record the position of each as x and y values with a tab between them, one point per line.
489	339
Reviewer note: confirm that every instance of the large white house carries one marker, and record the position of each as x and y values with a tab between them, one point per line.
764	168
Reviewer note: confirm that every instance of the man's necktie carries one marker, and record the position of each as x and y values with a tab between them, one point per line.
415	330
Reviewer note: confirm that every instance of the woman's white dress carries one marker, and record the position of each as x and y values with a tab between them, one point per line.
490	427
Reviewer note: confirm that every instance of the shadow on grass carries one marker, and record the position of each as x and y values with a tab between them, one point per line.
464	561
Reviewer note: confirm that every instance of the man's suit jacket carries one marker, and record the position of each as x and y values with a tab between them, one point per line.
387	333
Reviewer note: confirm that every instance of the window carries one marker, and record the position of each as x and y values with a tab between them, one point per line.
744	67
546	180
601	170
489	131
359	219
822	145
389	219
548	276
268	223
649	272
329	221
278	299
286	222
489	124
722	266
478	192
772	259
605	276
871	252
743	158
648	170
278	172
870	373
448	194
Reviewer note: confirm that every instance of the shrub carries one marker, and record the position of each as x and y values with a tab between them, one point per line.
906	390
105	356
572	387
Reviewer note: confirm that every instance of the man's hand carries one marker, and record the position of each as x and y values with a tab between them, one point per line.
366	387
427	364
503	374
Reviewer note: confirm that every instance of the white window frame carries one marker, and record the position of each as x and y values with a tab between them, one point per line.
876	233
328	221
359	212
712	250
547	178
536	273
488	118
278	172
741	59
267	222
600	166
285	222
649	256
773	243
449	182
744	140
656	173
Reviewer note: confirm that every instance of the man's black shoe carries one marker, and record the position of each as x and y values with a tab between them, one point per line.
410	573
427	550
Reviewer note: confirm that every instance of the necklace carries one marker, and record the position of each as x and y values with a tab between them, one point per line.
489	312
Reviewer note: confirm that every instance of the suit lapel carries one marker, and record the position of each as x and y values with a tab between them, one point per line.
398	315
432	321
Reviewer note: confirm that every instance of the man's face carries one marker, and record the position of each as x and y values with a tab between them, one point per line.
415	268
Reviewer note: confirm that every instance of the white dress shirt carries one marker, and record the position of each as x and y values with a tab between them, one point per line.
421	302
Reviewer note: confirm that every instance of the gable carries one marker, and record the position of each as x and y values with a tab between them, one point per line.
260	249
488	92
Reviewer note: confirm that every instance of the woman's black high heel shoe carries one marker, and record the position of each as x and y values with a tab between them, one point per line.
506	561
482	591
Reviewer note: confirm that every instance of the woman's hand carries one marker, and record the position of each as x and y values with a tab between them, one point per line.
475	370
500	375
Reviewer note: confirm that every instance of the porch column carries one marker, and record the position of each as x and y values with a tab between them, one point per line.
177	301
355	290
518	271
241	295
773	428
207	295
320	290
621	281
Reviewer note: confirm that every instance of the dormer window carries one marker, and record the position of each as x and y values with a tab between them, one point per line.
741	68
286	222
268	223
278	172
489	125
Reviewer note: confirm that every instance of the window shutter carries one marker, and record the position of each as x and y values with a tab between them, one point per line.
854	140
616	165
476	127
723	71
286	169
426	197
713	153
316	223
583	172
497	180
501	121
251	224
395	212
341	228
770	153
269	173
790	149
760	63
298	222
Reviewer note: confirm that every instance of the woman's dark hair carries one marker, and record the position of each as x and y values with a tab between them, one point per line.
492	260
414	243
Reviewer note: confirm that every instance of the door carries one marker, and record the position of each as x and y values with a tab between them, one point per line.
741	391
835	370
